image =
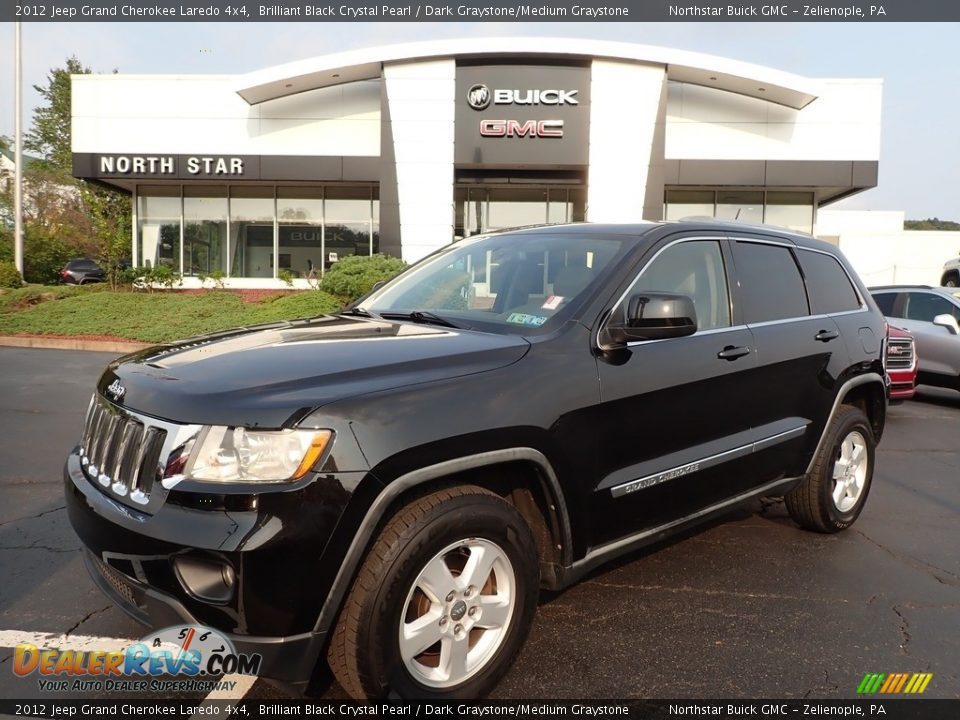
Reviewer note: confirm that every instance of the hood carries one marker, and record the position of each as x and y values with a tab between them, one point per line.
272	375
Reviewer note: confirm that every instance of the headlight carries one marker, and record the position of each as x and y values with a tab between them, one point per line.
225	454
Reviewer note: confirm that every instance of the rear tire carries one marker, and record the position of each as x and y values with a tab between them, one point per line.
443	601
950	279
832	495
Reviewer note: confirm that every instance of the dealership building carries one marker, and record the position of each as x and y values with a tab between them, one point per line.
402	149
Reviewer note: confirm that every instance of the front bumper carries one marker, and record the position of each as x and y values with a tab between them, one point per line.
273	551
288	659
902	383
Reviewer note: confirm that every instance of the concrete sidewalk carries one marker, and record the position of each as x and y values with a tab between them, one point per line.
38	341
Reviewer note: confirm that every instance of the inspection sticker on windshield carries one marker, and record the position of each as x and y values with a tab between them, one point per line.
552	302
524	319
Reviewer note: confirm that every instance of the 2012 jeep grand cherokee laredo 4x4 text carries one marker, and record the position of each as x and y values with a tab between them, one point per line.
387	489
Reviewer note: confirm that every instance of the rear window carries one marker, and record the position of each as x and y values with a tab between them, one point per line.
771	287
886	302
82	265
828	286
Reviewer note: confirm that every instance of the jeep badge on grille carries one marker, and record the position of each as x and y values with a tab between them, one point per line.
116	390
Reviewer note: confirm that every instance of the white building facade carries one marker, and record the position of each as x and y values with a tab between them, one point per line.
403	149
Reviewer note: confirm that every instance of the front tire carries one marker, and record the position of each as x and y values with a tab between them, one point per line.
832	495
950	279
443	601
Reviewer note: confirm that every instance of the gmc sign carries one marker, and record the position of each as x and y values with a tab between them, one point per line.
522	128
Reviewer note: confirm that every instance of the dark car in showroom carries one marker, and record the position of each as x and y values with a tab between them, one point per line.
81	271
385	491
932	315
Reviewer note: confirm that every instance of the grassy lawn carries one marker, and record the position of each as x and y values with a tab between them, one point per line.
147	317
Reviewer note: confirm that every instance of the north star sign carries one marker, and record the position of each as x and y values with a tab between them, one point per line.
141	165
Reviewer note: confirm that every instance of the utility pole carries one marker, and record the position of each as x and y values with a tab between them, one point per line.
18	152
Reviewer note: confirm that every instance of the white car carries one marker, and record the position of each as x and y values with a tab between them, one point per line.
951	273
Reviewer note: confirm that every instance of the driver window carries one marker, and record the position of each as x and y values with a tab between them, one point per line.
693	268
926	306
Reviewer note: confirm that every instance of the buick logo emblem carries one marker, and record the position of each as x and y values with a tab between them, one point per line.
479	97
116	390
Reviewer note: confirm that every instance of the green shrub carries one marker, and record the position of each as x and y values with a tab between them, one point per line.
217	279
286	276
158	275
355	275
9	275
44	255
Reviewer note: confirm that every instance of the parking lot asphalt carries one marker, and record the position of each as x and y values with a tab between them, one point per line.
749	606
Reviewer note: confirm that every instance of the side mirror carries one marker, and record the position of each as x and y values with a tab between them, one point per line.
949	322
655	316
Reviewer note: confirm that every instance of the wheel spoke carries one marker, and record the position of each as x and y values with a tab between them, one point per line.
855	486
839	469
420	634
494	612
436	580
453	657
846	449
478	567
839	492
857	453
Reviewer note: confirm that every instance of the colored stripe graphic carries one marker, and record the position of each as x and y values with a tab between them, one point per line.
894	683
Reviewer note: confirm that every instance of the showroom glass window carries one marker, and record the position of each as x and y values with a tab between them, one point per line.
300	225
158	226
348	223
251	231
205	230
793	210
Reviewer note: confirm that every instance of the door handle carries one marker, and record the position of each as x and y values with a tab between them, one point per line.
731	352
826	335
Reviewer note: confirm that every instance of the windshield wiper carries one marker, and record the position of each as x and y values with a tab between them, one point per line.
357	312
424	317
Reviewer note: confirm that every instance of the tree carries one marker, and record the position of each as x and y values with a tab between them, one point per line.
931	224
74	217
50	135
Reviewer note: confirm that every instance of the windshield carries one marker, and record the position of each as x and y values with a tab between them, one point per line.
507	283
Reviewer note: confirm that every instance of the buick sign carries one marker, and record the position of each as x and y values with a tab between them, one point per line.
479	97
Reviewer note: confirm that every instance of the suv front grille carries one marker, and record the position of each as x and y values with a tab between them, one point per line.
899	354
120	452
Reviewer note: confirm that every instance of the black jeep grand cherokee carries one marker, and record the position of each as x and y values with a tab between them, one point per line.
387	489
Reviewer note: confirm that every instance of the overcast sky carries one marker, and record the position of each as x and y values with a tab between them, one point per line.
919	64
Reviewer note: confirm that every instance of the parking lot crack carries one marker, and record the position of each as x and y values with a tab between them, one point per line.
707	591
46	548
3	660
31	517
946	578
86	618
904	630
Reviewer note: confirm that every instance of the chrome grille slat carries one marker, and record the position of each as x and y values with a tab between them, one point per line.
902	358
122	451
146	470
131	429
96	436
110	445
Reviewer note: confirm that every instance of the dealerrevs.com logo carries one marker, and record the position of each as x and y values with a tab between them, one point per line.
192	655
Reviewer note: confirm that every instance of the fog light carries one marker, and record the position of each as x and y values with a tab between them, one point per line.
206	579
